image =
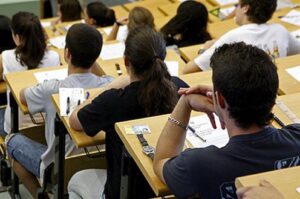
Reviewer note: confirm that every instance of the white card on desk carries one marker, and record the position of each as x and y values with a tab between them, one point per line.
69	99
52	74
225	2
293	17
112	51
201	124
58	42
294	72
173	67
137	129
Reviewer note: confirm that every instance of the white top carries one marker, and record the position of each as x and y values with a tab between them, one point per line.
268	37
10	64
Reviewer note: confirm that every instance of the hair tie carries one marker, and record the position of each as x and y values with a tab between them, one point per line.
155	58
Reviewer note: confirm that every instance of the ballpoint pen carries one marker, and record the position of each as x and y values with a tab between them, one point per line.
68	106
196	134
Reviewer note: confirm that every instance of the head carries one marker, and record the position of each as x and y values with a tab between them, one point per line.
70	10
99	15
83	45
145	51
255	11
190	21
6	41
140	16
29	37
245	84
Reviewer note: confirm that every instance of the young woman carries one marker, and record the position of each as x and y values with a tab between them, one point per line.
138	16
188	26
99	15
30	53
151	91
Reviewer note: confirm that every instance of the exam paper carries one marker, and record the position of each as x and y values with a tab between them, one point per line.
225	2
58	42
53	74
293	17
112	51
201	124
69	99
173	67
284	4
294	72
224	12
122	32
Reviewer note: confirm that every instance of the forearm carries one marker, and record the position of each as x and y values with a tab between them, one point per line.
113	33
22	97
96	69
191	67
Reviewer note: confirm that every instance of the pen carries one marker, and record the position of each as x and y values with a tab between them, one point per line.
87	95
196	134
291	16
68	106
119	71
278	121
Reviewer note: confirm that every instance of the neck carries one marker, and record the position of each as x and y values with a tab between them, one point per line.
77	70
234	130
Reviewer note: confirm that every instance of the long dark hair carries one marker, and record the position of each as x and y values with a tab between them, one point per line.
103	15
191	22
140	16
32	46
70	10
146	50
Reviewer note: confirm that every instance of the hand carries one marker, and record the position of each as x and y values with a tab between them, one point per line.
123	21
265	190
200	89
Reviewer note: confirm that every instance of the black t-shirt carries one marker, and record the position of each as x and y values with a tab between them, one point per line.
113	106
210	172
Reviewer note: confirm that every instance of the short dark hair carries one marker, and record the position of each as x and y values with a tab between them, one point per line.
6	41
84	43
70	10
260	11
103	15
247	78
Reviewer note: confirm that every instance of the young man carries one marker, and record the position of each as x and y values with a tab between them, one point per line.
245	84
83	46
252	17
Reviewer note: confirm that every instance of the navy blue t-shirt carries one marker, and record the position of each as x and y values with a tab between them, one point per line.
210	172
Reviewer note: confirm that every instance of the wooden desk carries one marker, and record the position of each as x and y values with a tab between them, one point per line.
190	52
120	11
108	66
287	84
283	12
285	180
218	29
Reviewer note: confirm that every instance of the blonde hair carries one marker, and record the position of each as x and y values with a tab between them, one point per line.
140	16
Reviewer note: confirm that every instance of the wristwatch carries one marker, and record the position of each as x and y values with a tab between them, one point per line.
147	149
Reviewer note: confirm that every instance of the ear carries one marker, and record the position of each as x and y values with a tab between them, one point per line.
92	21
220	100
126	61
67	55
245	8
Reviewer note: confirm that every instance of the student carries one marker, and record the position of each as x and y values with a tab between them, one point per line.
6	42
99	15
138	16
188	26
151	91
68	10
252	17
83	46
31	52
245	85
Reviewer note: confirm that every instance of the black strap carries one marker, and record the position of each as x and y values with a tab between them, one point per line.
144	143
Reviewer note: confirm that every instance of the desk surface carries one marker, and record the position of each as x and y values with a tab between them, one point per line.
108	66
18	80
156	125
190	52
79	138
285	180
120	11
287	83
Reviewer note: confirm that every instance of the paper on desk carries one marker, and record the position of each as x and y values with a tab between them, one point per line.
284	4
294	72
298	189
293	17
46	24
224	12
58	42
122	32
296	34
225	2
53	74
201	124
69	99
112	51
173	67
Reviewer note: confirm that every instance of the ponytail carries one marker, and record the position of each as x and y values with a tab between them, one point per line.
145	49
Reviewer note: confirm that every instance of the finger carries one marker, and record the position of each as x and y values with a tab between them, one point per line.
212	119
241	191
222	124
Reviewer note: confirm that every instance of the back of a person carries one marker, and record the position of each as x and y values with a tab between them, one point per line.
243	155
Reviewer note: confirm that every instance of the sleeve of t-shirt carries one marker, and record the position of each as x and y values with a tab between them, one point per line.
177	176
37	97
95	116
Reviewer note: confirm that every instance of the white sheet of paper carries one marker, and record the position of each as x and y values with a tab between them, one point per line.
112	51
298	190
46	24
201	124
69	99
294	72
173	67
53	74
225	2
293	17
58	42
296	34
224	12
284	4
